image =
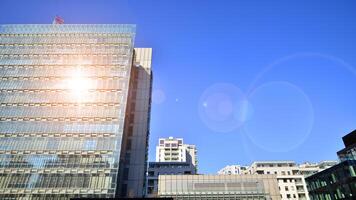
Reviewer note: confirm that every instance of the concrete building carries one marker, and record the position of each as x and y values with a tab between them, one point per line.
194	187
338	181
74	115
174	150
307	169
156	169
290	176
232	169
291	183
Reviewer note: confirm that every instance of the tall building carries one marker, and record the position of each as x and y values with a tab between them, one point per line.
228	187
339	181
74	115
174	150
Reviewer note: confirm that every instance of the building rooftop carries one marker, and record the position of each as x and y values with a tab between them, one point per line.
66	28
349	139
274	162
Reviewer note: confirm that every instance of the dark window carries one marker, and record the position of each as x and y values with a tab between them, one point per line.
127	158
123	189
151	182
126	173
129	144
150	190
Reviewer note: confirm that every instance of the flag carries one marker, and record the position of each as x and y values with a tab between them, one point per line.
58	20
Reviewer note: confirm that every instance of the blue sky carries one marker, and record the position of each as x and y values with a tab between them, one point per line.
243	80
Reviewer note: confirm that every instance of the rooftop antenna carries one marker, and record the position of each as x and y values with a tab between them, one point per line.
58	20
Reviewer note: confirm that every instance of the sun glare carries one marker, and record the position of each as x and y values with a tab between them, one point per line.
78	83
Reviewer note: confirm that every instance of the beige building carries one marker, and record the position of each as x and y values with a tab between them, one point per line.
134	150
174	150
290	176
194	187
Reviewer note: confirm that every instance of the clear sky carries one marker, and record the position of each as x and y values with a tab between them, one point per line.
243	80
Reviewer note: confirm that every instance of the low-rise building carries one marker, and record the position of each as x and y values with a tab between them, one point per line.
194	187
308	169
232	169
290	176
291	183
156	169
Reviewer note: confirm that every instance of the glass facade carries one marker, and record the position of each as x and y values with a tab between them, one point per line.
338	182
63	95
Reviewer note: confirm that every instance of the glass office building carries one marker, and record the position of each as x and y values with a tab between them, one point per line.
74	114
339	181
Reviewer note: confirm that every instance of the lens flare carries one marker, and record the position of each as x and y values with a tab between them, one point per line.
221	106
281	112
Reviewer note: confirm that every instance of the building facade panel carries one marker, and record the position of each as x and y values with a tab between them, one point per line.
263	187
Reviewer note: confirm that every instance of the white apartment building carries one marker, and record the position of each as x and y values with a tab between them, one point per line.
290	176
308	169
290	182
174	150
232	169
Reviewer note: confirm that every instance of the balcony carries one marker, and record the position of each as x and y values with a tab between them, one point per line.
299	183
300	191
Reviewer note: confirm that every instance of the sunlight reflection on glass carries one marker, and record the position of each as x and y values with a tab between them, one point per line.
78	84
